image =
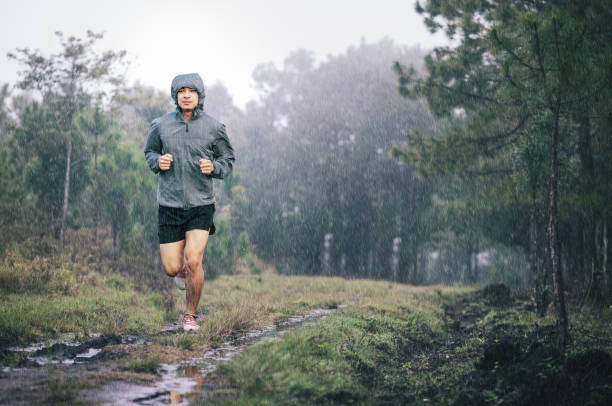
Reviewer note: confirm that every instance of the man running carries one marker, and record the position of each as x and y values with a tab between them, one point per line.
187	148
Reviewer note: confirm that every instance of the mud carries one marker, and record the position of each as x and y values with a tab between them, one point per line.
540	375
83	351
523	366
497	294
88	372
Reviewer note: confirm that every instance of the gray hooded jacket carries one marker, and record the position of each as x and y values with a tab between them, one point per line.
184	185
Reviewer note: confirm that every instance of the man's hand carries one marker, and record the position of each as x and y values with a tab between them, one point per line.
206	166
164	162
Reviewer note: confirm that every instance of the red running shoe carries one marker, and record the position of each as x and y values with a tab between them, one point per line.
189	322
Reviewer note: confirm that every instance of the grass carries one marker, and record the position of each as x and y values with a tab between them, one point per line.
353	357
45	297
61	390
335	361
147	365
98	378
234	304
261	299
392	344
438	346
77	292
12	358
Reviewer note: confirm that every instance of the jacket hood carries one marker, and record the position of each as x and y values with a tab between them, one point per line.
192	81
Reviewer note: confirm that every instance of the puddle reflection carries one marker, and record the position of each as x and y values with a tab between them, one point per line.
183	382
175	397
177	384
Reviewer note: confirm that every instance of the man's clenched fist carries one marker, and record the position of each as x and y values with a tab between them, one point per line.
165	161
206	166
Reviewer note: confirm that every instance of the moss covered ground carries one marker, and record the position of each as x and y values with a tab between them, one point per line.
46	297
386	344
436	347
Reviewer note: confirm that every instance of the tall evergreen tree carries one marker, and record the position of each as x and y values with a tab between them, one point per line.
324	194
67	81
519	67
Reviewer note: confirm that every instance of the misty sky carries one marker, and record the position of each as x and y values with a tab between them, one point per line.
222	40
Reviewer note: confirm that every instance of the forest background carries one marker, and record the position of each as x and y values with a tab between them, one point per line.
484	161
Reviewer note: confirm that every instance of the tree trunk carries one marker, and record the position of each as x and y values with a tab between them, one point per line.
594	266
467	275
536	262
599	295
115	232
414	264
475	268
96	208
66	194
553	230
606	257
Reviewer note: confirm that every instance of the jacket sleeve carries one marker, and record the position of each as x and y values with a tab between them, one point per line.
153	147
223	154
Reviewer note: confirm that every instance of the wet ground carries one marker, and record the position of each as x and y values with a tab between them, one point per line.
46	373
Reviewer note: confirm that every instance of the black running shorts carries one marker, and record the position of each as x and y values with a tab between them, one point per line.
174	222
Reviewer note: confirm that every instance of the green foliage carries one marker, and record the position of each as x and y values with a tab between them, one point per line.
187	341
18	205
219	251
12	359
252	263
62	390
243	243
40	275
344	360
385	353
49	142
516	75
39	146
148	366
50	295
116	282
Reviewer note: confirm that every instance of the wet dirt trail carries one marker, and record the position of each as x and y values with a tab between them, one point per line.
48	373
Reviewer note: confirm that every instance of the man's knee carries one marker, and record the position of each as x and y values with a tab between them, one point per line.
193	262
172	269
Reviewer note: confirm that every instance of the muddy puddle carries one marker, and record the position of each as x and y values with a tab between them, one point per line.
46	367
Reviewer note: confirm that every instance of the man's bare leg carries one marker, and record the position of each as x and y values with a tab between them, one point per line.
172	257
195	244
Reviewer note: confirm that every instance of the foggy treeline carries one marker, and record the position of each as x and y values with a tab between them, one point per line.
326	180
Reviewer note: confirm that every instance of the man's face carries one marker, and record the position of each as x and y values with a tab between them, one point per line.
187	98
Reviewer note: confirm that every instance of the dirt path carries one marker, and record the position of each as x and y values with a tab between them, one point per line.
90	371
